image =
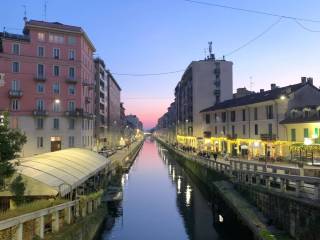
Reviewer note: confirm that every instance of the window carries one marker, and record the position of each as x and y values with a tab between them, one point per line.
224	116
71	106
232	130
15	67
40	70
71	141
316	135
255	113
71	40
306	113
306	132
233	116
56	106
243	114
215	117
244	129
40	104
270	128
41	36
56	71
56	88
54	38
269	111
15	85
16	48
207	118
39	123
215	130
56	123
71	73
293	134
72	123
72	55
256	129
56	53
71	90
40	88
40	52
224	130
15	105
39	142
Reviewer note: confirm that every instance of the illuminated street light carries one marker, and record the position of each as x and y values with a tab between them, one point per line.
57	101
282	97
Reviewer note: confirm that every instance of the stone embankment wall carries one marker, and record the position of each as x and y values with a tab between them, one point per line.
300	218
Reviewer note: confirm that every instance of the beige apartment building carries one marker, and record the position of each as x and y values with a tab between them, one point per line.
254	126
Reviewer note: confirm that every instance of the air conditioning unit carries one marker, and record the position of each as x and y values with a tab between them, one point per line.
2	82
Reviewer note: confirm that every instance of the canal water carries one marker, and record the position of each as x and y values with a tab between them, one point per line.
161	201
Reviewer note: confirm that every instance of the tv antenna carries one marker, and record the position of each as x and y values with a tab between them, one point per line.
251	83
24	13
45	10
211	55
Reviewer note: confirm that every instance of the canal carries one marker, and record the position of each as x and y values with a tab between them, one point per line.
162	201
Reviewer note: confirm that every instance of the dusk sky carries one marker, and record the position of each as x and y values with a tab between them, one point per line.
153	36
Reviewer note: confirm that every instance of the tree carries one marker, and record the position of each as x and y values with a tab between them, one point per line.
17	188
11	142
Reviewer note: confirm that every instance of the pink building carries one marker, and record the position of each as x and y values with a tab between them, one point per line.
46	83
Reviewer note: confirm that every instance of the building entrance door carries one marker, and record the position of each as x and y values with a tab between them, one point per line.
55	144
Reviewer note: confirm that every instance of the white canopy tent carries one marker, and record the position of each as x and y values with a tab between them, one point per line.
59	172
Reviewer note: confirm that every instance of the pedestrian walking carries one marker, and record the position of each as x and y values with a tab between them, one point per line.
215	156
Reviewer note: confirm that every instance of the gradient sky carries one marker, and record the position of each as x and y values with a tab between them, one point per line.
150	36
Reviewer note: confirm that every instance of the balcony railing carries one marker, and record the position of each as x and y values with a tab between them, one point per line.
40	113
71	80
232	136
40	78
268	137
78	112
15	93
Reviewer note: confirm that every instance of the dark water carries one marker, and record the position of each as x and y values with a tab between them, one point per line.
161	202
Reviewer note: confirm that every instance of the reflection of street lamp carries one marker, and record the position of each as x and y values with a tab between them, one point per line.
1	120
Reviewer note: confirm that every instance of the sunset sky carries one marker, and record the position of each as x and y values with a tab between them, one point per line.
152	36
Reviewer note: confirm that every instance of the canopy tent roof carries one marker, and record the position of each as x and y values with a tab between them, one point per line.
60	171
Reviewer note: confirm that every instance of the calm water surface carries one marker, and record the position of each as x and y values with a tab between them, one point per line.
161	202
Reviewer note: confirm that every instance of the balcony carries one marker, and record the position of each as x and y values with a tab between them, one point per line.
40	78
232	136
71	80
87	100
78	112
15	93
268	137
40	113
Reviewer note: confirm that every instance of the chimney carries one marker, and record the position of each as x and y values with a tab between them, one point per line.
273	86
310	80
303	79
261	90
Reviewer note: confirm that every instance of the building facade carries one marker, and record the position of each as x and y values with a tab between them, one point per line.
251	126
107	106
47	77
203	84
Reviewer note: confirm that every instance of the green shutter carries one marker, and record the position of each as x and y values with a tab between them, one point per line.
306	132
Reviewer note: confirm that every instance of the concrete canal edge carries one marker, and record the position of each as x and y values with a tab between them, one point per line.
218	184
91	226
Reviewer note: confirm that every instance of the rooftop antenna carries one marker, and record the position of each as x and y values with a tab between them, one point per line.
211	55
251	83
25	13
45	10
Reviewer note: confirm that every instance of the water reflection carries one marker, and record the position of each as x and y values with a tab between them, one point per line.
161	201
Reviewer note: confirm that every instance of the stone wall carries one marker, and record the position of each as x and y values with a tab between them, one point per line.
298	217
